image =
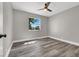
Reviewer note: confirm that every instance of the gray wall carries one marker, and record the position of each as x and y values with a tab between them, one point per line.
1	28
21	31
7	26
65	25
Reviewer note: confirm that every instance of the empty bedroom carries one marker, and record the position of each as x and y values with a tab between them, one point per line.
40	29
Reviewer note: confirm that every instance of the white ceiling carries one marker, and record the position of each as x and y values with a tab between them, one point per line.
33	7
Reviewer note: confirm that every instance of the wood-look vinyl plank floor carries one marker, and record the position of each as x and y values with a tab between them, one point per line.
45	47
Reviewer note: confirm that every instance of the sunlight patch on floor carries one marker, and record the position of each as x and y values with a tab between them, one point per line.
29	42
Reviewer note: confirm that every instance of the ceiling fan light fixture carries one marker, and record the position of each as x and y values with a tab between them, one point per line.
45	9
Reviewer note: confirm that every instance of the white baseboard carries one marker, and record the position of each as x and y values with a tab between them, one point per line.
7	54
28	39
71	42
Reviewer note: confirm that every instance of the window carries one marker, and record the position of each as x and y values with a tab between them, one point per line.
34	23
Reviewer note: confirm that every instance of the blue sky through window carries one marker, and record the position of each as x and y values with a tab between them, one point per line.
36	22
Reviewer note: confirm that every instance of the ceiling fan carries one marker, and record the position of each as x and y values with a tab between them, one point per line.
46	7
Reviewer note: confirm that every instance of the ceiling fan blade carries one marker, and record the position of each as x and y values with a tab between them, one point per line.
41	9
49	10
48	3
